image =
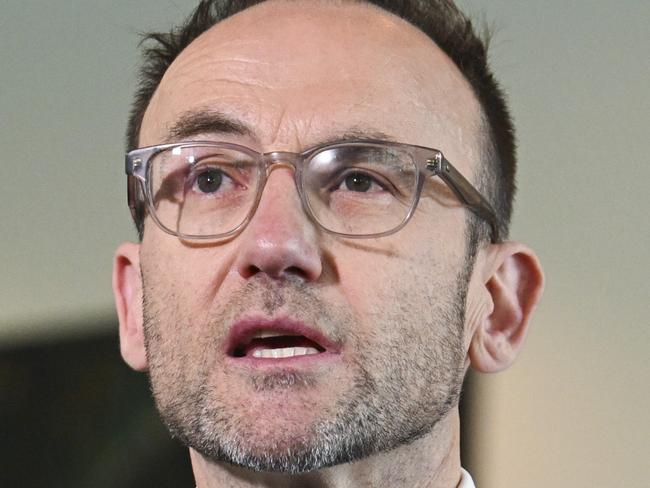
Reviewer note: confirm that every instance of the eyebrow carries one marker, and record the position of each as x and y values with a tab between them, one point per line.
357	134
208	121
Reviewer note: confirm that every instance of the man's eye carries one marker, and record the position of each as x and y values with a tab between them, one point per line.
360	182
209	181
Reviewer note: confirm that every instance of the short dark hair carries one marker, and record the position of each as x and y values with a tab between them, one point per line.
441	20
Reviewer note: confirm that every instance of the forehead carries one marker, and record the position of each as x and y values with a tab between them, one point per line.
297	71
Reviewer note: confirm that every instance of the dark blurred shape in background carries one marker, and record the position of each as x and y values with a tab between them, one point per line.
72	414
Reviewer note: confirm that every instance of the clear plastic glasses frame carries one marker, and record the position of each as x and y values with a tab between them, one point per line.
426	163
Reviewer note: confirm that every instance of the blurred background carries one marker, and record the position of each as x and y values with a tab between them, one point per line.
572	412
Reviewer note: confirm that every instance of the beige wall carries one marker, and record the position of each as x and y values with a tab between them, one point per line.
574	410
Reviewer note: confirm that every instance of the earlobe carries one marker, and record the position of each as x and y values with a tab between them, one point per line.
127	291
514	281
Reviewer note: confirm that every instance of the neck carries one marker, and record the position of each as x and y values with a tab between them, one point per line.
432	461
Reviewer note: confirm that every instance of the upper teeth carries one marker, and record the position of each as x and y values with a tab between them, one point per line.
285	352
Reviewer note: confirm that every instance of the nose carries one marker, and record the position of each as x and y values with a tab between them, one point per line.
279	241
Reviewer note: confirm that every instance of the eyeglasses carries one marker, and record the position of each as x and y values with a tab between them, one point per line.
210	190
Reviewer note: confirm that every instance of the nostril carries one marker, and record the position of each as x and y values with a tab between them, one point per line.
251	270
295	270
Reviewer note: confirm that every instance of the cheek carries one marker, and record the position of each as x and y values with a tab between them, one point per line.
178	291
179	344
398	281
190	272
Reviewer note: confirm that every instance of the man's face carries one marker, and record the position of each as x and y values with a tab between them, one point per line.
385	315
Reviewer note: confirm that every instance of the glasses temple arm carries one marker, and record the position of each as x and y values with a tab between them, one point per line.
135	195
468	195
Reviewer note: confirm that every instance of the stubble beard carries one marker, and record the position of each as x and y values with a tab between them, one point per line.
397	395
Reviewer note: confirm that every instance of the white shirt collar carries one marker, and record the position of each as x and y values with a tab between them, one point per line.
466	480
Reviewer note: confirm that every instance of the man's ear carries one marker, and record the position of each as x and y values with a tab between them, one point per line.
514	281
127	290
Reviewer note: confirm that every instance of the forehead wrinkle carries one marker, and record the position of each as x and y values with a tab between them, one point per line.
217	65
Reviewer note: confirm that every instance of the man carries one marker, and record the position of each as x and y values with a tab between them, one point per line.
312	280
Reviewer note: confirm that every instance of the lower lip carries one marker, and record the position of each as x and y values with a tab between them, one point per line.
305	361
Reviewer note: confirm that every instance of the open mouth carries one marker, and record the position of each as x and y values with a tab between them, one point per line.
276	345
275	339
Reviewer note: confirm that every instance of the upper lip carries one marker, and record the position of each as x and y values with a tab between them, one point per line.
244	330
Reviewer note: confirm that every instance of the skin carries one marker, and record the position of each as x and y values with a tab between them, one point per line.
298	76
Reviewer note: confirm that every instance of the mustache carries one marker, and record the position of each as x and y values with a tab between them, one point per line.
290	295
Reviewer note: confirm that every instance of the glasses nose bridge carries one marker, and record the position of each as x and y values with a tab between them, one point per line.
288	160
281	159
